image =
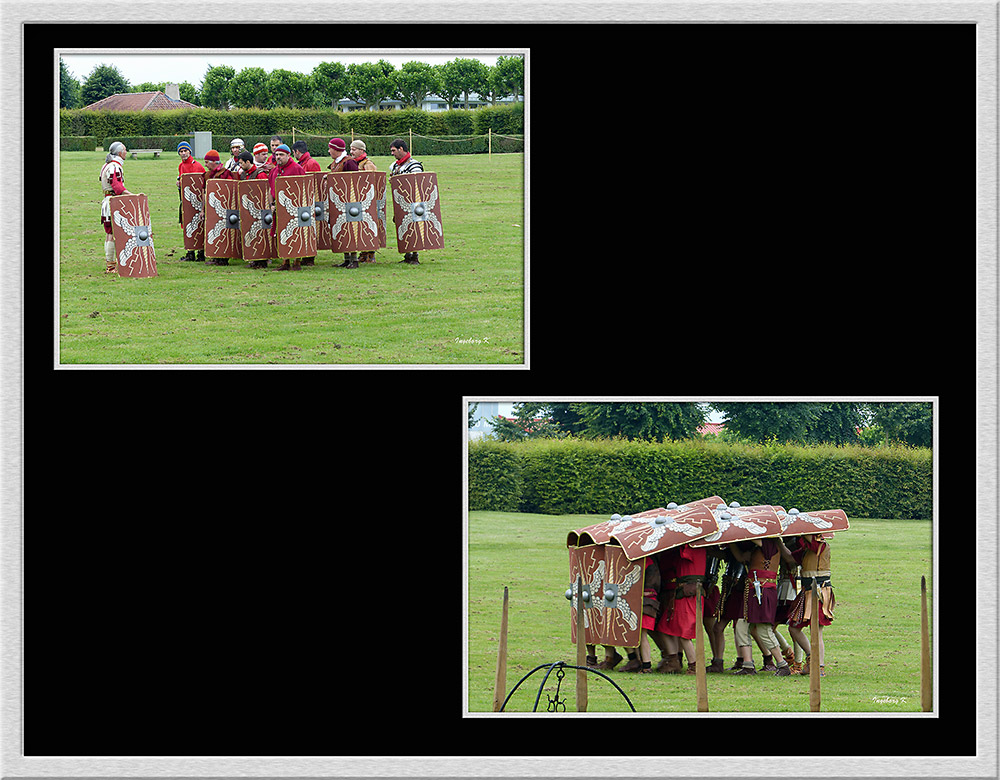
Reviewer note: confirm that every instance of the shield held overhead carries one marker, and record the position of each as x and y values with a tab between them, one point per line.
133	236
294	209
416	212
353	203
222	219
256	220
193	210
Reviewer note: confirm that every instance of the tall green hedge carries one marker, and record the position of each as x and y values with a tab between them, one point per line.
572	476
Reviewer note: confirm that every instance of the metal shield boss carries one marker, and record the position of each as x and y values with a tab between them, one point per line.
416	212
295	219
222	219
256	220
193	210
133	236
322	211
353	210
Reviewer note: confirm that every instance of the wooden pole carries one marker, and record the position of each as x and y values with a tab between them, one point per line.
817	607
926	680
500	686
581	649
699	655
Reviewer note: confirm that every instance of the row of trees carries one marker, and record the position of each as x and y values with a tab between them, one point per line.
867	424
368	83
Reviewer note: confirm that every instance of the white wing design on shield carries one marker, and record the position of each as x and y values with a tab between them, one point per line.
194	199
292	209
342	212
404	205
365	204
255	224
129	229
220	209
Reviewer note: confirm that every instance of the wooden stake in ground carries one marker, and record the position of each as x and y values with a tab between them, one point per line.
926	694
701	683
581	650
817	608
500	687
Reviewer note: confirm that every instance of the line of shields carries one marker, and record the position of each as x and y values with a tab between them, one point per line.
341	212
607	568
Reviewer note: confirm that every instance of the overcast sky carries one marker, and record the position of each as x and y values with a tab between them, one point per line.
142	65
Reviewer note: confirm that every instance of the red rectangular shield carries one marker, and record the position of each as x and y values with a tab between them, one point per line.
193	210
294	209
623	581
658	530
222	219
587	562
825	521
353	203
324	239
380	202
133	236
739	523
416	212
256	220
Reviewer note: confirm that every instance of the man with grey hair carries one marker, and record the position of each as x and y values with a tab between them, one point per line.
112	183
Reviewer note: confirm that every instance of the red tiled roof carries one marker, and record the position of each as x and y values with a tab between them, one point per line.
711	427
139	101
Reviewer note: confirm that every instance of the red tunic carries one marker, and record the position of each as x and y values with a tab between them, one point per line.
308	163
190	165
291	168
688	561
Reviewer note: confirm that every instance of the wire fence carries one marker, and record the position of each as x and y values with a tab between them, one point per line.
378	145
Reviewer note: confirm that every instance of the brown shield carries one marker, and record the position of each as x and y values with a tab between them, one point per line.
353	206
256	220
826	521
587	562
737	524
380	202
657	530
623	582
294	209
416	212
222	215
193	210
133	236
323	237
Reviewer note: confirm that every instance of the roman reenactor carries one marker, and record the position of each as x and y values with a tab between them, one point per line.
359	152
213	166
684	569
302	156
233	163
284	166
760	600
813	555
405	163
188	164
342	161
248	168
787	590
112	179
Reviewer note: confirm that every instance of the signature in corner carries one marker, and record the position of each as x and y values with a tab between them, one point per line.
472	341
889	699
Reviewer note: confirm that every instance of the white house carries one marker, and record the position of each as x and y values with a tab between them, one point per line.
430	103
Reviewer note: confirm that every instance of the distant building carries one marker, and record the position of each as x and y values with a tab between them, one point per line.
484	413
711	428
142	101
429	103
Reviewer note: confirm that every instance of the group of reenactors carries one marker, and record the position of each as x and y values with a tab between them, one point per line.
277	205
754	584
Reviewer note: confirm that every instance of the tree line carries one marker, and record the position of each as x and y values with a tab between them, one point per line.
838	423
368	83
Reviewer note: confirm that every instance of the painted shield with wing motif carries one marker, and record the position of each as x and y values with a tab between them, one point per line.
222	219
193	210
588	563
416	212
256	220
353	200
133	236
295	216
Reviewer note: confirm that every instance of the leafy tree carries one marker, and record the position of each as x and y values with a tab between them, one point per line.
508	76
215	89
371	83
462	76
416	80
69	88
329	81
448	84
760	422
247	88
189	93
103	81
907	423
530	421
149	86
645	421
837	423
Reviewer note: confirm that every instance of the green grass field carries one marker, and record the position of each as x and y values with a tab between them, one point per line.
463	304
872	648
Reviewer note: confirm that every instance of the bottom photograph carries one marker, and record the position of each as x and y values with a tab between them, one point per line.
700	557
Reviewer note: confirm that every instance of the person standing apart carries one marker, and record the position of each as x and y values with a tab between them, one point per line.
112	183
188	164
405	163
